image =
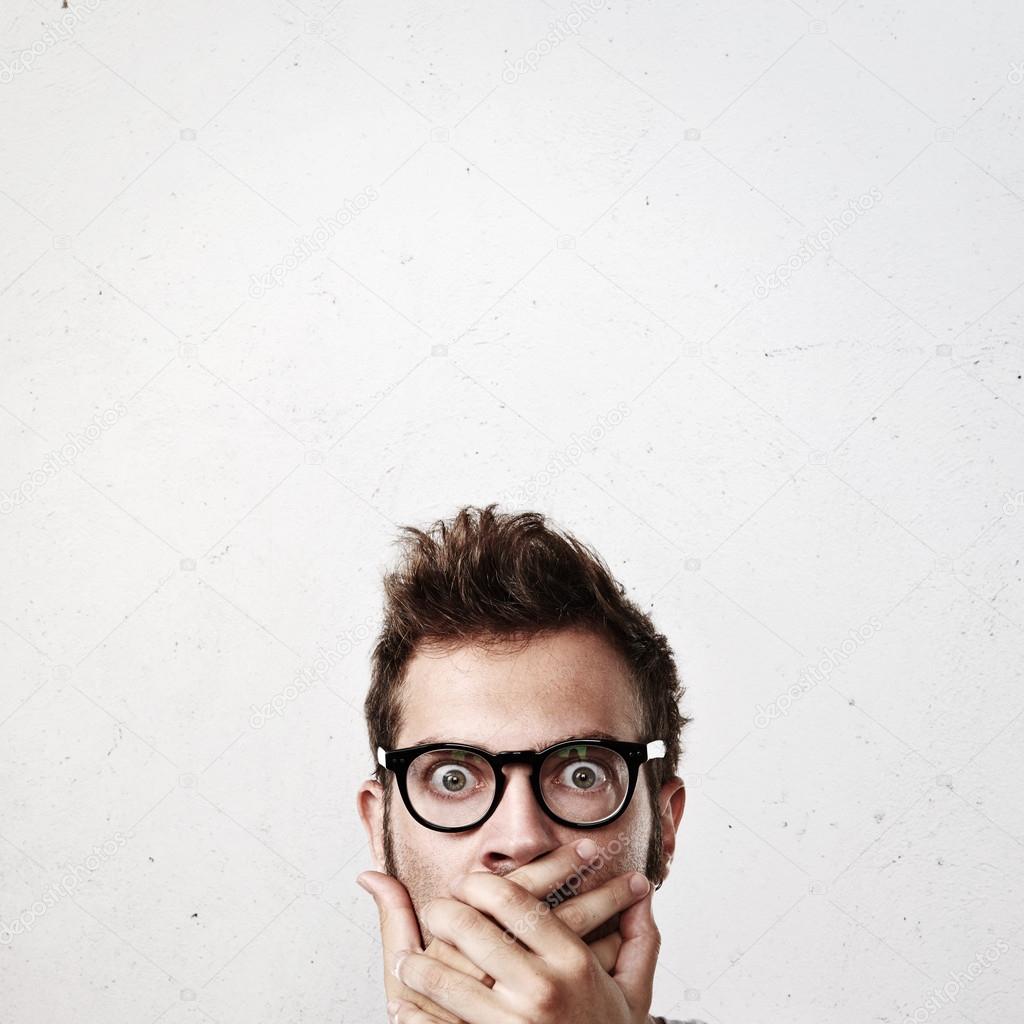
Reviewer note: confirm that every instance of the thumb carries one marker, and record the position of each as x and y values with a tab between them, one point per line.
399	928
638	955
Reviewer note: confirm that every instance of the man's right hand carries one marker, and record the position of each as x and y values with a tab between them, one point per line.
581	913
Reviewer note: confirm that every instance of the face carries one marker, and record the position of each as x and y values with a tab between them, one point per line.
567	684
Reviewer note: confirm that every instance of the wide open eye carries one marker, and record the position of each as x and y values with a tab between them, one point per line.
449	786
584	782
451	779
582	775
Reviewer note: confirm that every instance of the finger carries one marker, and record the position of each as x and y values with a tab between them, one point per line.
583	913
638	957
565	865
607	950
527	919
427	1005
444	951
399	928
422	1002
457	992
488	945
540	878
402	1012
449	954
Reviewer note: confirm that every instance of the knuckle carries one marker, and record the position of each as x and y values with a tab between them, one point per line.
434	979
510	897
573	917
578	962
466	920
433	910
524	875
545	997
471	884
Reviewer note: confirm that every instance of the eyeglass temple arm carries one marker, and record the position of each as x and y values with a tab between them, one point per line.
380	757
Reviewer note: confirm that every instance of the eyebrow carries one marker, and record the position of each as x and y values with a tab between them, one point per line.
596	734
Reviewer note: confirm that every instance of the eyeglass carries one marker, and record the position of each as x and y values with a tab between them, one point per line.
582	783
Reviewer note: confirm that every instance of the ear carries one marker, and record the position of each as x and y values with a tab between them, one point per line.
671	801
370	804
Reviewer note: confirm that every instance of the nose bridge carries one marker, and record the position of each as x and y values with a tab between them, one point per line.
518	801
524	766
523	758
517	768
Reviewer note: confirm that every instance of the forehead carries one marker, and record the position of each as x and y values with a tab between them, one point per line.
515	696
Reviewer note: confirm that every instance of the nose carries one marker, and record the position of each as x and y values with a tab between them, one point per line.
518	831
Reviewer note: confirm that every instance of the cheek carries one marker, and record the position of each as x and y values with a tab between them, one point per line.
427	861
624	843
628	832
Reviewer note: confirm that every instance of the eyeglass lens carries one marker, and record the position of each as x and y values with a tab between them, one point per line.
581	782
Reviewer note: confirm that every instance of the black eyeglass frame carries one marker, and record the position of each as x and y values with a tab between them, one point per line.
634	754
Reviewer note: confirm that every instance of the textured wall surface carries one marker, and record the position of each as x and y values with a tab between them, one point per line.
735	291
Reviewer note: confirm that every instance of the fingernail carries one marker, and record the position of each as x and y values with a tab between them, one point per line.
399	958
363	885
639	885
586	848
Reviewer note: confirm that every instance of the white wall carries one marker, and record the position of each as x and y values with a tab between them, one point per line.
554	292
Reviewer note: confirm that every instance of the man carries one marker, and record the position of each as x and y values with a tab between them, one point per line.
519	704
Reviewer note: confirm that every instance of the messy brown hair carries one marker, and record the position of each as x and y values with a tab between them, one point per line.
486	576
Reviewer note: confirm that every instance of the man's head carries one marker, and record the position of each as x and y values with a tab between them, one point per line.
502	632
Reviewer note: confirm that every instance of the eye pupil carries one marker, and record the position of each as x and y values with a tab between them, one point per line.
584	777
453	781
